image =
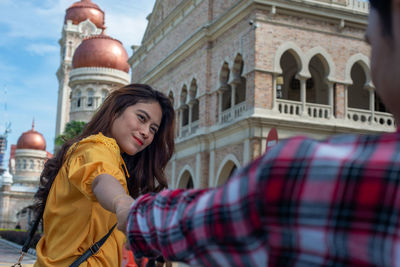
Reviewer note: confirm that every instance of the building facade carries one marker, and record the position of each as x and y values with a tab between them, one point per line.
19	185
236	69
91	64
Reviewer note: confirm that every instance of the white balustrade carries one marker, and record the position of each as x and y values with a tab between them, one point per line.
358	5
239	109
234	113
318	111
355	5
194	126
185	131
383	118
226	116
364	116
359	115
289	107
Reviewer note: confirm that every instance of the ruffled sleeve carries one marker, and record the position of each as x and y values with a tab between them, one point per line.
89	160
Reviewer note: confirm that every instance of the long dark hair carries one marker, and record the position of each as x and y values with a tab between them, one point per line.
146	168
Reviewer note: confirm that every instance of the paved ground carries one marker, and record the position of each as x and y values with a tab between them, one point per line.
9	254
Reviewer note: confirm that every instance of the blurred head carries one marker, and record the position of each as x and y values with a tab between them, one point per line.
383	34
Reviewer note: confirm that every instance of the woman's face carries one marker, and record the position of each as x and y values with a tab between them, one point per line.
135	128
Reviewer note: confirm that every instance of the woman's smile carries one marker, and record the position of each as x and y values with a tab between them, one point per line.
140	142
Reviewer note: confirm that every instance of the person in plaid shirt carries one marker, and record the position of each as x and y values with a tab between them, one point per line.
304	203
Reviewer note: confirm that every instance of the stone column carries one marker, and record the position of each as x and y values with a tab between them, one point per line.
211	168
220	95
233	92
180	111
277	87
346	100
371	103
330	98
303	95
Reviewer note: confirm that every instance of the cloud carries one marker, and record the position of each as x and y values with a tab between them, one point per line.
32	19
42	49
130	34
126	21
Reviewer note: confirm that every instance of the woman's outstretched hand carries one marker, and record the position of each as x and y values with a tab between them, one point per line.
122	207
113	197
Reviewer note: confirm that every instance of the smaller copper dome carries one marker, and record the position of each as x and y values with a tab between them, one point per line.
101	51
83	10
31	140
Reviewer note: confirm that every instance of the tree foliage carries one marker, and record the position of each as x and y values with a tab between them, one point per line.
72	129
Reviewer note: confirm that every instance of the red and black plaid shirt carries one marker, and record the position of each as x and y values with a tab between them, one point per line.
304	203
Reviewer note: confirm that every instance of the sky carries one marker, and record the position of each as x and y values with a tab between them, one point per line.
30	57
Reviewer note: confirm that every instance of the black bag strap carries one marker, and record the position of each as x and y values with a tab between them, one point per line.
92	250
28	241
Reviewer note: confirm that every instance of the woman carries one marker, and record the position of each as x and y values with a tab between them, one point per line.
123	149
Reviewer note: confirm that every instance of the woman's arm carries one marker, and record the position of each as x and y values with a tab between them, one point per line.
112	197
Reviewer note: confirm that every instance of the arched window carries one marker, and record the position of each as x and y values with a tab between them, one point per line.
194	102
78	99
317	85
184	106
104	94
171	98
225	88
238	80
226	173
90	100
290	86
186	181
358	96
379	106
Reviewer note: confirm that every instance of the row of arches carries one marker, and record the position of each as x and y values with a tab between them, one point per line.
231	97
29	164
88	98
188	108
228	166
232	84
316	71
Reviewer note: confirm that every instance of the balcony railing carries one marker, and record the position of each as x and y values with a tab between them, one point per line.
239	109
363	116
294	108
185	131
383	119
319	111
188	130
289	107
194	126
358	5
236	112
226	115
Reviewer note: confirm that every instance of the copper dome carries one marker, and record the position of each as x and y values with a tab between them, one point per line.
31	140
83	10
101	51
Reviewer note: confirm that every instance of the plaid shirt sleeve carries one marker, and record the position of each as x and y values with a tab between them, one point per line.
307	203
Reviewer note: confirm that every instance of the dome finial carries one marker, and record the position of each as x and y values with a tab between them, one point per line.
103	30
33	123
